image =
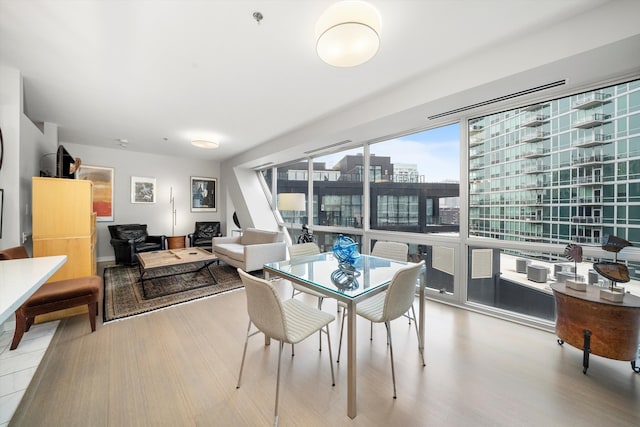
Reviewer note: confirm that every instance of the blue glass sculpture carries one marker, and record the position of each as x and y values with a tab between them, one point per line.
345	250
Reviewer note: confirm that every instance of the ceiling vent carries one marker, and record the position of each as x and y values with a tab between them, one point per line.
498	99
328	147
262	165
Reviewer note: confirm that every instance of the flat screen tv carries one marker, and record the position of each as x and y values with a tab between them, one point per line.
66	165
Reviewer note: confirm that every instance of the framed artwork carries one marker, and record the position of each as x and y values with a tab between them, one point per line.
203	194
143	190
102	179
1	209
1	150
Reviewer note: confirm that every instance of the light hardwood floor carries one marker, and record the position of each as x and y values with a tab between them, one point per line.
179	367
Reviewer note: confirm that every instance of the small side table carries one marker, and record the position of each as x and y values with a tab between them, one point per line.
597	326
176	242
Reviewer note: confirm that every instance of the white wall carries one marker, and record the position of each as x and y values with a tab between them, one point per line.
9	174
168	172
24	144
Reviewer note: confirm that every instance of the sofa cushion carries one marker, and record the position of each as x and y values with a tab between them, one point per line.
206	230
137	233
231	250
252	236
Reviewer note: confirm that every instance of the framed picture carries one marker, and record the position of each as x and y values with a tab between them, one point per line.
143	190
203	194
1	209
102	179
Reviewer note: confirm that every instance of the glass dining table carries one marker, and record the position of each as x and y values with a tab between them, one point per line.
368	276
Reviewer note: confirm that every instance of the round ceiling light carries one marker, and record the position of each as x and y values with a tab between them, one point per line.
205	143
348	33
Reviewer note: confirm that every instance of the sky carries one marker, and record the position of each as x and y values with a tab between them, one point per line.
436	152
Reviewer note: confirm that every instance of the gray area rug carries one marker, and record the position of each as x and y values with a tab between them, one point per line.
123	296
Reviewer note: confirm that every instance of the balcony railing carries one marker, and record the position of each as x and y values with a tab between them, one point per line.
587	180
476	165
588	200
591	140
534	136
530	185
534	120
532	153
584	239
475	140
584	160
476	153
535	168
595	220
591	100
534	107
592	120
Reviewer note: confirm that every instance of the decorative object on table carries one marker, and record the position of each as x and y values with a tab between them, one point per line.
102	179
143	190
345	249
573	253
614	271
345	278
306	236
203	194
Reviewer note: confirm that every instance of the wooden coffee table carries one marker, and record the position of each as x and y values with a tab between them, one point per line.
162	259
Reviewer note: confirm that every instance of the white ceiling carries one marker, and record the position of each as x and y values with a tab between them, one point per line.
149	70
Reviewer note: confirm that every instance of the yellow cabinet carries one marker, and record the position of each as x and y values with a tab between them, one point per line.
64	224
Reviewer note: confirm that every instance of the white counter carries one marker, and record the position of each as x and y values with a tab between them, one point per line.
20	278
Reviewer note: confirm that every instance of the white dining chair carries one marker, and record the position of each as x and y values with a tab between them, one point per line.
289	321
300	250
394	303
297	251
390	250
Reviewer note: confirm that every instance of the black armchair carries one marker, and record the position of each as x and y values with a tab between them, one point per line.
129	239
205	231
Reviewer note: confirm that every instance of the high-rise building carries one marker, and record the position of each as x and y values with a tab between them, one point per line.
562	171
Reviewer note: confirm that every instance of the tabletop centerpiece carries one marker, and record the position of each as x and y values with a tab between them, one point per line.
345	249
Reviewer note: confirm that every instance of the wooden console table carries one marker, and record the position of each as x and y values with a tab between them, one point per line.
598	326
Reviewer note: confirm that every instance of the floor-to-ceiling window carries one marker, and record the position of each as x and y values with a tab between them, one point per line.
540	176
553	172
291	196
414	182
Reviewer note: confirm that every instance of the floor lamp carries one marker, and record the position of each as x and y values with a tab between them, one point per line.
295	202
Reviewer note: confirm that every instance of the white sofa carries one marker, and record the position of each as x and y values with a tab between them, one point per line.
251	250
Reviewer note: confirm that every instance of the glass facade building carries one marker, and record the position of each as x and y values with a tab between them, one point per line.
559	172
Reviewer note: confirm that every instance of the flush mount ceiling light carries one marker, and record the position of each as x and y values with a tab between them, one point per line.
205	143
348	33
